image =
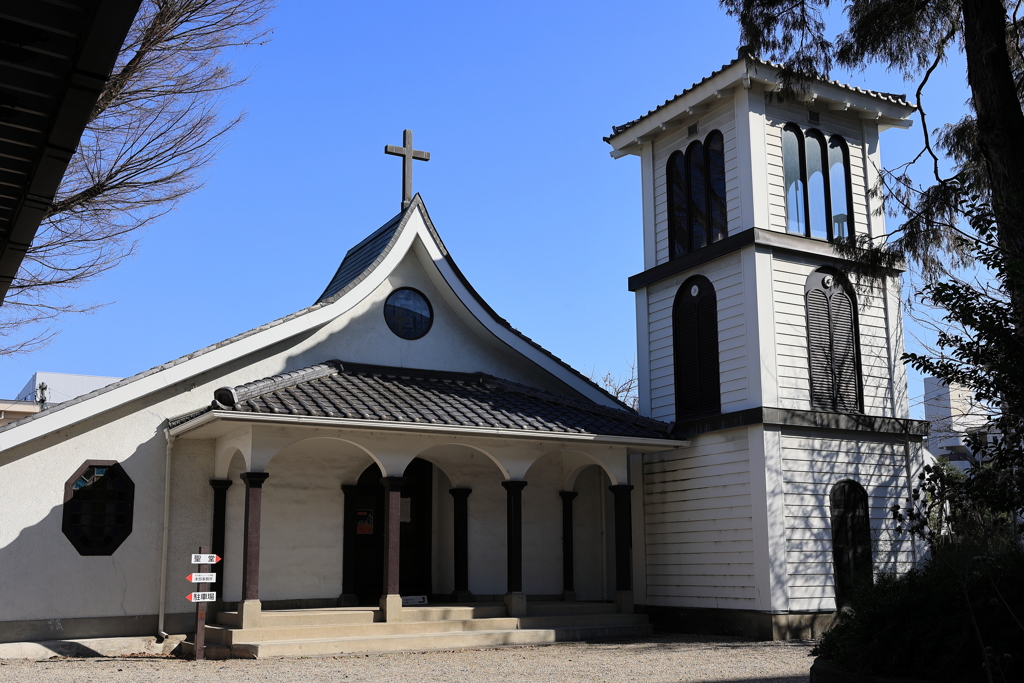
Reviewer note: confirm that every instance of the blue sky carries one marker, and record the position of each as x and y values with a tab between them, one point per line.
511	100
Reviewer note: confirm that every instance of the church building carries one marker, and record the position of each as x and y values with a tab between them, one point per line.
397	467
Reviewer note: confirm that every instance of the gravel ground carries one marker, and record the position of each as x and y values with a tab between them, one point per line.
660	659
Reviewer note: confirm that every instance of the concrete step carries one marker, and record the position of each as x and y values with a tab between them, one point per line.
399	643
228	636
306	617
421	641
486	610
569	621
554	609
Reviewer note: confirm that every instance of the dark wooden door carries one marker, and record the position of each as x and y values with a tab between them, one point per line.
415	564
365	535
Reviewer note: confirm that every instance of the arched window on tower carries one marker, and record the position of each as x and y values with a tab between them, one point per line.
695	186
851	539
839	181
816	175
714	149
793	175
832	349
678	206
695	349
817	185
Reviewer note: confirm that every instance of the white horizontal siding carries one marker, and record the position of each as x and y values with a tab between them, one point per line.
720	117
812	465
777	115
727	277
698	526
790	276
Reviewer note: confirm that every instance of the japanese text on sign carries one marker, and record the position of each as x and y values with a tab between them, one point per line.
202	597
200	558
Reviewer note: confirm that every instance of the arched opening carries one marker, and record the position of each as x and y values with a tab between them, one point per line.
817	185
851	539
793	176
365	525
714	148
695	349
697	181
678	206
593	535
839	183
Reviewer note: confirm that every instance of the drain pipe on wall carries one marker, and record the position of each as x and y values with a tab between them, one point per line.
161	633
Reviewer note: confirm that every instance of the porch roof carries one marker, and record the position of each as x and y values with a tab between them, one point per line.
387	394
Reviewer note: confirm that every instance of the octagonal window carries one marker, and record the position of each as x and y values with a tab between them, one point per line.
408	313
98	505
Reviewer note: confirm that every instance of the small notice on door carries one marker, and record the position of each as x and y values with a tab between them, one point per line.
364	521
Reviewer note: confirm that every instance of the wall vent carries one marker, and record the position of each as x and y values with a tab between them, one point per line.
813	116
693	129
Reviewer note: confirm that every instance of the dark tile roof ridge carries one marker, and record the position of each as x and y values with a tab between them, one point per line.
275	384
892	98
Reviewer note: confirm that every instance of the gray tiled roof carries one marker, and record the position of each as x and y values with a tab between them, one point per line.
892	98
369	392
360	257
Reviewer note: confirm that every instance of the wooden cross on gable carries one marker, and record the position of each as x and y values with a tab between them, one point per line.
408	154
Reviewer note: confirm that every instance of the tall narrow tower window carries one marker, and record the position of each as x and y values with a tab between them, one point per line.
817	185
714	149
832	349
851	539
695	349
839	181
698	195
816	175
695	187
793	173
678	206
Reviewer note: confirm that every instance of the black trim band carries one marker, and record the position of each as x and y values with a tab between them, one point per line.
788	417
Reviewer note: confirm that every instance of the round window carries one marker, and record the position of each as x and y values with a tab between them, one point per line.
408	313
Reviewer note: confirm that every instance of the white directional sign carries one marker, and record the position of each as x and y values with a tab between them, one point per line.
201	578
202	597
198	558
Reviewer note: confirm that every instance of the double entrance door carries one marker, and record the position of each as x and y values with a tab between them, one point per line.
364	534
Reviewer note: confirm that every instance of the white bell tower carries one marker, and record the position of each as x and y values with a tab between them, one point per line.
755	343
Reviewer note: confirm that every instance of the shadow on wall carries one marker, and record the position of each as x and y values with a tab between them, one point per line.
50	590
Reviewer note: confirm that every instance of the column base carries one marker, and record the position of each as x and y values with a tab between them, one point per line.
515	603
569	596
251	612
462	596
624	601
391	606
348	600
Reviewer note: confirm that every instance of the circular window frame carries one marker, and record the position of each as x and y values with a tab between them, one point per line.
430	309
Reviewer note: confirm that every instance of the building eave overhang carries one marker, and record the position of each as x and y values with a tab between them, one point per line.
886	111
236	419
47	104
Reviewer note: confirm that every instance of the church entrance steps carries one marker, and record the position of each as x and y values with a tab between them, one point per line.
306	617
352	630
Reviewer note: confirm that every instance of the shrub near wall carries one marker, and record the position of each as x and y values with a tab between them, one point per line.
927	623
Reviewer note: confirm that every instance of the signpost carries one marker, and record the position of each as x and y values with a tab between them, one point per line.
204	577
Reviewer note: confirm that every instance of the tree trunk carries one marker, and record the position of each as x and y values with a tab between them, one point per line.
1000	133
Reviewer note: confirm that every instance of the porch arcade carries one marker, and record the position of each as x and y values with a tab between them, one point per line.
352	485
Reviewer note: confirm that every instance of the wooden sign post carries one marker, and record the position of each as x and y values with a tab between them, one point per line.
201	598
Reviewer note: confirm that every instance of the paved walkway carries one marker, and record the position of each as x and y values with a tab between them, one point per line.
660	659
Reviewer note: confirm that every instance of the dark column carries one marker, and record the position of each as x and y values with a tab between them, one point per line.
251	541
623	537
392	532
348	559
461	496
515	534
220	506
567	568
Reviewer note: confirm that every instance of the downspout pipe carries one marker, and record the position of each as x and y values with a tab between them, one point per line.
161	633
